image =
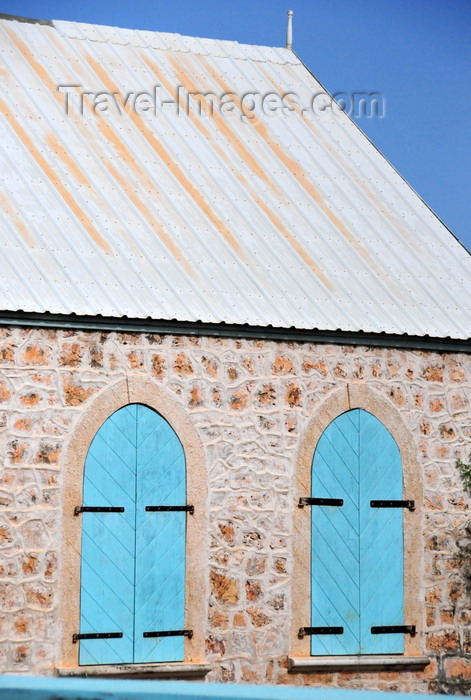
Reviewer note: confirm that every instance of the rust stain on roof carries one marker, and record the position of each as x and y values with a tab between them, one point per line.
117	144
287	98
191	87
181	102
54	179
279	90
299	173
40	71
372	196
341	158
166	158
293	242
303	178
223	125
108	132
55	145
15	218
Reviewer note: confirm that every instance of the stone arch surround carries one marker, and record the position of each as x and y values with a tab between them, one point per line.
347	398
133	390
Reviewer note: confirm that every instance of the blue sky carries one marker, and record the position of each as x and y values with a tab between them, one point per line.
416	53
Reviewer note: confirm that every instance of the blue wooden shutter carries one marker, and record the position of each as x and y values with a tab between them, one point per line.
357	551
381	538
160	540
133	563
335	539
108	542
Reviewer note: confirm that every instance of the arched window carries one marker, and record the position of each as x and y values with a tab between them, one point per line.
357	571
132	593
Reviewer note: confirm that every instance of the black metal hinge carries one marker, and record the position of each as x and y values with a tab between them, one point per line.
170	633
152	509
307	501
306	631
96	635
395	629
393	504
97	509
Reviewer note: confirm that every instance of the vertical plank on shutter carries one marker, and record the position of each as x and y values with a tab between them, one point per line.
107	569
160	539
381	543
335	538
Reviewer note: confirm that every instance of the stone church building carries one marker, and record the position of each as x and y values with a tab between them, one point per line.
235	376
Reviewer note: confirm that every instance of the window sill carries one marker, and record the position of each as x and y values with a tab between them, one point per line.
311	664
161	670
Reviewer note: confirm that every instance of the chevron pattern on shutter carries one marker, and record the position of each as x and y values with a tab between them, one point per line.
335	537
107	575
160	540
133	563
357	551
381	541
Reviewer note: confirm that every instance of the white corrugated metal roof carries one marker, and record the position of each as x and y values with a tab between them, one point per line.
284	220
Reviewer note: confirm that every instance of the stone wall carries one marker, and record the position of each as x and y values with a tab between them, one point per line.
251	402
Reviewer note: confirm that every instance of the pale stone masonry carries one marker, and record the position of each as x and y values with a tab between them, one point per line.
250	402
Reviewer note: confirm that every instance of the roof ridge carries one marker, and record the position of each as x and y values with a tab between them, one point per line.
172	40
164	41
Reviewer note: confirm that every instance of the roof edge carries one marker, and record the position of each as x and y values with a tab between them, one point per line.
28	20
198	328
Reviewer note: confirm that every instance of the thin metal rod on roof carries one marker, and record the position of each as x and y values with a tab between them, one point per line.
289	31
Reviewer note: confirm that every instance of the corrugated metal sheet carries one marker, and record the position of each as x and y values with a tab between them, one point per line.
284	220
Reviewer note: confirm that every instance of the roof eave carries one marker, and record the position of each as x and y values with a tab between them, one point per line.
198	328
